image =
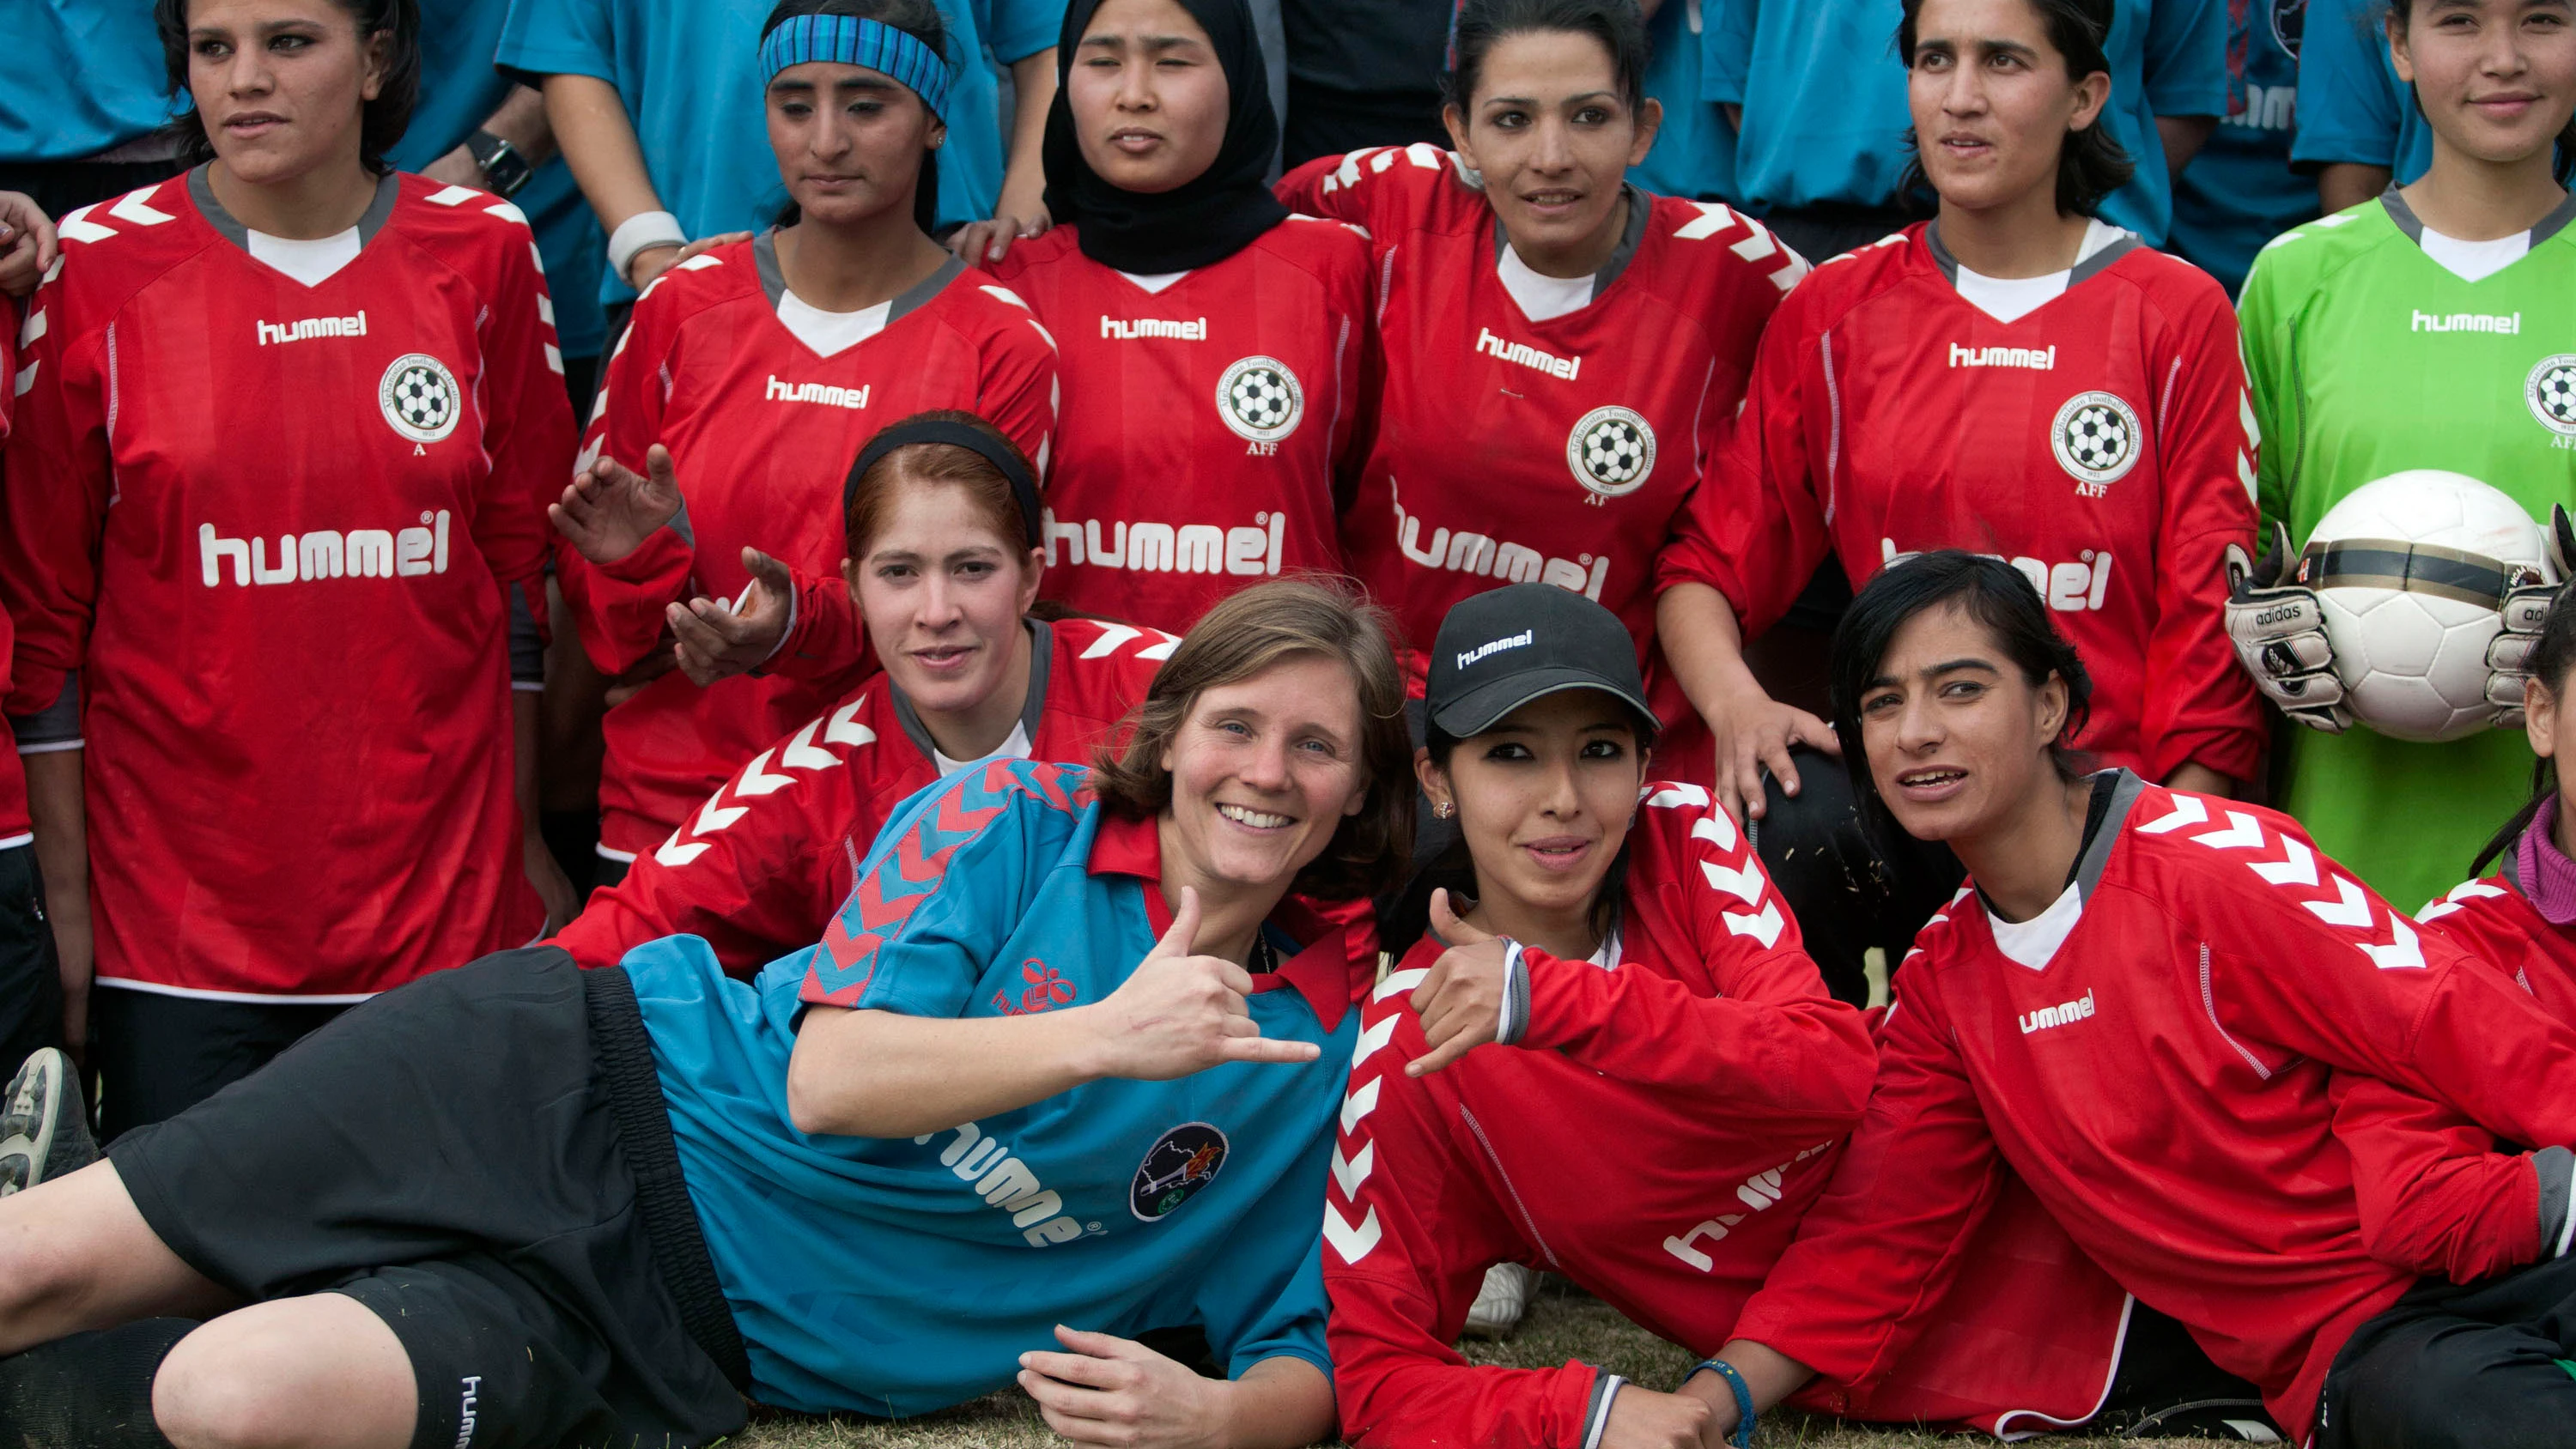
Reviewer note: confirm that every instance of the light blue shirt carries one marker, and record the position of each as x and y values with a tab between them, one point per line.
2239	191
900	1275
1694	153
689	73
459	88
2352	107
1825	116
81	76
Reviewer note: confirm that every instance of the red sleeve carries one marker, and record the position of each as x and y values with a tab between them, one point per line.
1312	189
528	431
54	503
1769	1046
1341	187
617	608
2435	1195
1754	529
1408	1234
2200	704
1882	1245
1353	299
759	869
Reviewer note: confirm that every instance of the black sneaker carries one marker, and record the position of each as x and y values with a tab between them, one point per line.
2242	1420
43	1132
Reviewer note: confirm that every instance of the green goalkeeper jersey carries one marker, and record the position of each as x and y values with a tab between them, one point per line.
2366	357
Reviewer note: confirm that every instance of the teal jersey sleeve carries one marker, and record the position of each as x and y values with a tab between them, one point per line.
2352	107
1018	29
2185	65
1726	49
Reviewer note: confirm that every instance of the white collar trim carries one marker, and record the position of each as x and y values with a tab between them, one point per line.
2033	943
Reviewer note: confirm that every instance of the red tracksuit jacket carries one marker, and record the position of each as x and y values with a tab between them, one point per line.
1709	1038
2154	1057
761	867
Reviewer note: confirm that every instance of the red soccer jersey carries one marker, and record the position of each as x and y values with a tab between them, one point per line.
2102	443
1708	1036
762	429
13	779
1206	422
1507	450
2153	1058
323	460
761	867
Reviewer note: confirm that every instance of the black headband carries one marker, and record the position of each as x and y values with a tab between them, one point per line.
1024	486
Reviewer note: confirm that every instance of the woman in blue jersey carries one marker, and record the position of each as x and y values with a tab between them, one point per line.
1069	1056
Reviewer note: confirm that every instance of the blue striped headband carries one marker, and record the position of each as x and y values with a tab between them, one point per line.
849	40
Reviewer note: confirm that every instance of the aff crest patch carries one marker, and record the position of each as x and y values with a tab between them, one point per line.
2097	440
2550	393
420	397
1260	400
1611	452
1180	1164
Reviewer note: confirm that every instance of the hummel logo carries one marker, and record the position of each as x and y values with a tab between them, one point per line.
2059	1015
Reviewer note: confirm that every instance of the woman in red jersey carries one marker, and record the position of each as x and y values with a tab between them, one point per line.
941	516
757	369
1211	344
1621	974
2141	1013
2014	378
283	428
1559	347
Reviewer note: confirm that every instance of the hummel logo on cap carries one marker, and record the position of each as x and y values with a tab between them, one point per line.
1508	646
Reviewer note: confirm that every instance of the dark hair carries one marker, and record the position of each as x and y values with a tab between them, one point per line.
382	121
1990	591
870	495
2090	165
1319	616
1455	870
919	19
2393	23
2553	657
1480	25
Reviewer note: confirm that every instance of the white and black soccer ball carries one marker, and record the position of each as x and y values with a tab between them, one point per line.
423	399
2553	393
1260	397
1614	451
2097	437
2409	571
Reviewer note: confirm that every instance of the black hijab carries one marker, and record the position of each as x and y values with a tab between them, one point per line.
1202	221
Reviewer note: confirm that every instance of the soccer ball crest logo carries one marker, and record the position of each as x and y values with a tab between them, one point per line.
420	397
1611	451
1259	398
2551	392
1179	1164
2096	438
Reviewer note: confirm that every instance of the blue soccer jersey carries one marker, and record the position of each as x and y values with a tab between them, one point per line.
83	76
1823	92
2239	191
1694	153
896	1276
2352	106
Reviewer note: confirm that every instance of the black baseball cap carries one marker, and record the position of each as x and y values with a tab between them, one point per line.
1508	646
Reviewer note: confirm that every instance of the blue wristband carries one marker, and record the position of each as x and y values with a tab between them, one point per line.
1745	1418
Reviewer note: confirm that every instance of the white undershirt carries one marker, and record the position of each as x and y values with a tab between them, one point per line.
1015	748
1154	282
2034	942
2475	261
829	333
2010	299
310	262
1541	298
1607	958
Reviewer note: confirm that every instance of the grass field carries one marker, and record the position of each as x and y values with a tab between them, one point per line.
1563	1324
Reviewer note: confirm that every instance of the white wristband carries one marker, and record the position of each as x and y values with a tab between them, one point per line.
644	229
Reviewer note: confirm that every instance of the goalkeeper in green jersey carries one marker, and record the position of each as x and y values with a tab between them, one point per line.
2432	328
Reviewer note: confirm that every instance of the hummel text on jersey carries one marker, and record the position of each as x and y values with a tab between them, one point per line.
361	553
1117	329
853	398
2068	587
1159	548
2037	359
1528	356
2059	1015
1513	563
1007	1183
2507	325
308	327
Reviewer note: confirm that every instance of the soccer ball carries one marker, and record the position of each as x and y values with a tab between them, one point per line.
2409	571
1613	452
2097	437
1260	398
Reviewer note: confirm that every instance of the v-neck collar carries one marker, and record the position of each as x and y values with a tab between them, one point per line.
201	193
1041	663
2034	943
2085	269
1640	212
2541	231
773	285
